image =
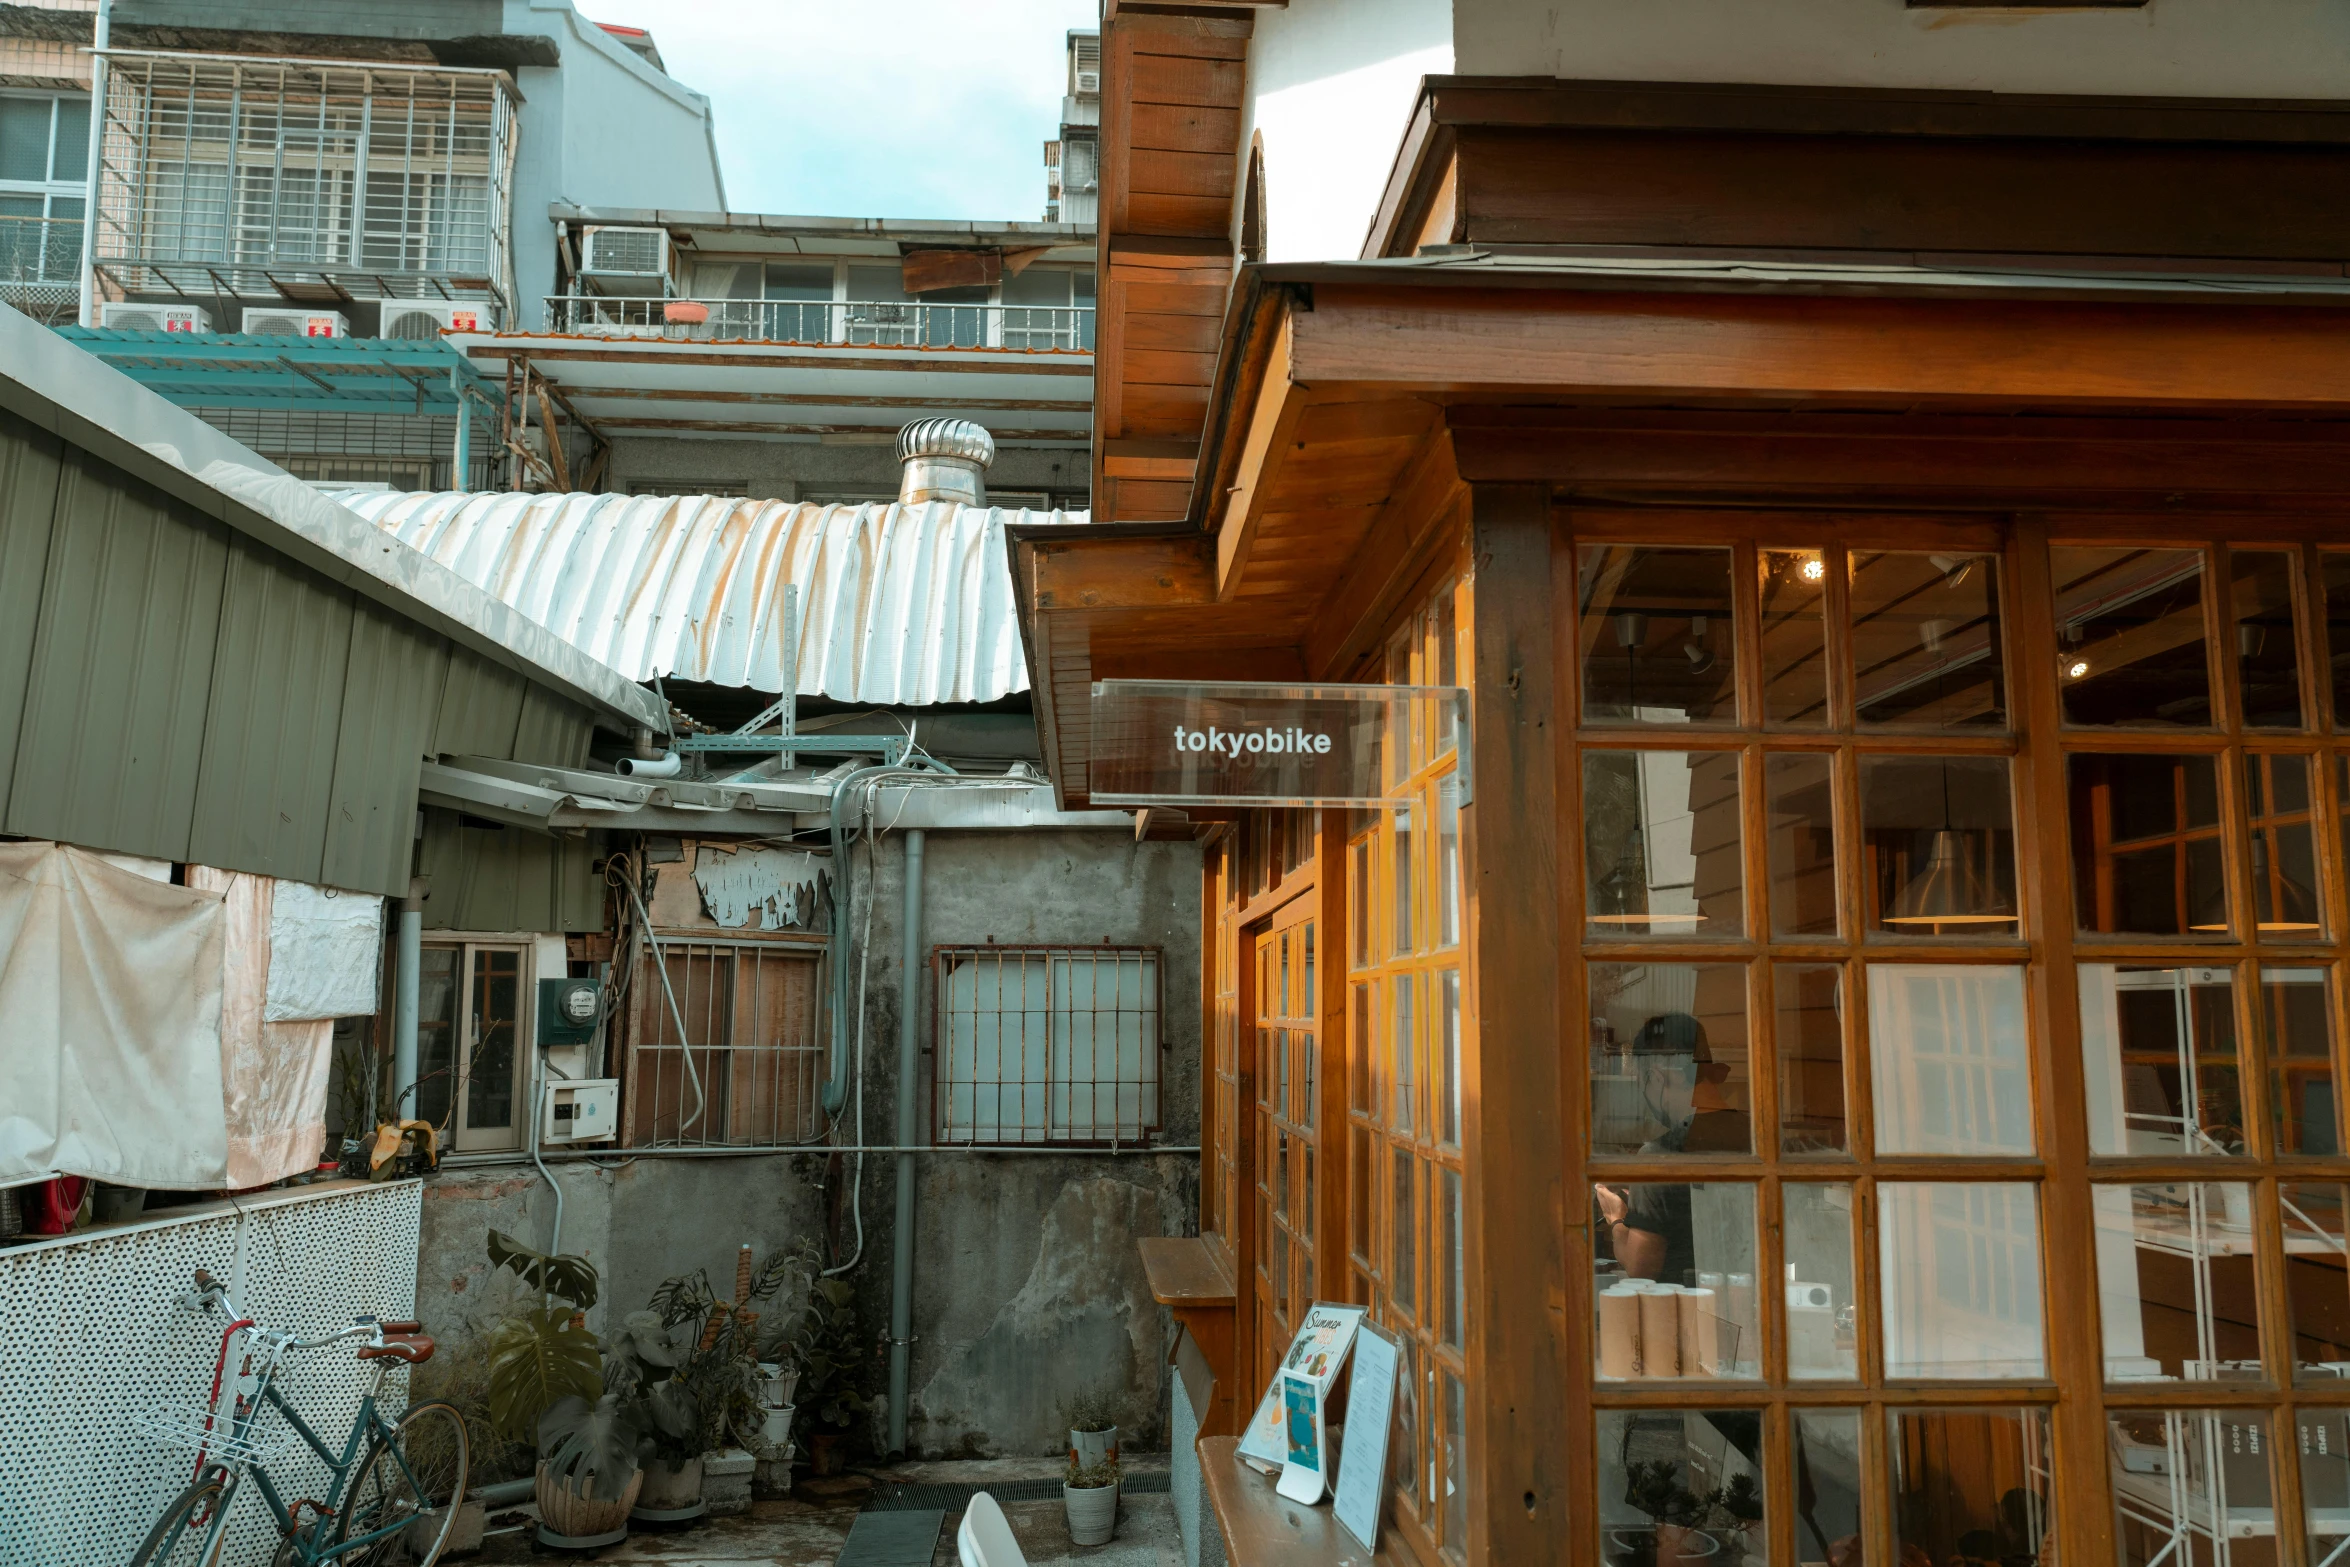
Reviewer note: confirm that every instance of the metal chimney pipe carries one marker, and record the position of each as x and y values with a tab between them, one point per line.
944	460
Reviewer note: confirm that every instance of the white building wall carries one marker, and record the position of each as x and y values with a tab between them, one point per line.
602	129
2183	48
1331	84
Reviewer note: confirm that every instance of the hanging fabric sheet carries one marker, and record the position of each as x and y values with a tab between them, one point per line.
275	1073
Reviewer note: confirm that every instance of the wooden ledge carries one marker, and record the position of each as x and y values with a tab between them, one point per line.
1262	1529
1184	1272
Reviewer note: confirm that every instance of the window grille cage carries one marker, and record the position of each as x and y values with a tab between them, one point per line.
1046	1044
753	1014
304	179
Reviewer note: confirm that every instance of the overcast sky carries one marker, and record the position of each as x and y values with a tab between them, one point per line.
877	108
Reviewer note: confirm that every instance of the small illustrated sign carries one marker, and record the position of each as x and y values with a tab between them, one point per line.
1176	742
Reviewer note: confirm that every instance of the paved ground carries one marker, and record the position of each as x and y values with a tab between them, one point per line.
806	1528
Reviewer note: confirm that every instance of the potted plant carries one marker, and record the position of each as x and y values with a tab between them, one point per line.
830	1352
546	1384
652	1367
1689	1528
1092	1417
1089	1495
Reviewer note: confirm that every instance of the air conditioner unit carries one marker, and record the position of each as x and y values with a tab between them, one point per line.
418	320
276	322
155	318
1089	81
584	1110
625	255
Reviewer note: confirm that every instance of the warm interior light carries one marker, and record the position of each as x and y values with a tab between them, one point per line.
1814	568
2076	669
1644	919
1947	891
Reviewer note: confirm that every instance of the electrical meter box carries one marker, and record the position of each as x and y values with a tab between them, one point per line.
586	1111
567	1012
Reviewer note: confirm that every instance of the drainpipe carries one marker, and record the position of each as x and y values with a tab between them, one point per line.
407	979
461	459
901	1271
99	32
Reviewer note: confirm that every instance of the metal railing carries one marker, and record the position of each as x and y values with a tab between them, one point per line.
863	323
40	266
1045	1044
750	1072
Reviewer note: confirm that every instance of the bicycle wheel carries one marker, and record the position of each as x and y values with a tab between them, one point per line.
181	1534
419	1474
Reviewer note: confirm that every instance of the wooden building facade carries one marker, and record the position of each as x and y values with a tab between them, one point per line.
1859	1078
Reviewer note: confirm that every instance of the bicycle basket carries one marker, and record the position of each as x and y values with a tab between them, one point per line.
195	1427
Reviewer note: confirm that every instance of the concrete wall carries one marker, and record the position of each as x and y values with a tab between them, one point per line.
1027	1284
781	470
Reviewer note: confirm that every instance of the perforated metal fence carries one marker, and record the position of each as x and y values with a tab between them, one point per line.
91	1333
1046	1044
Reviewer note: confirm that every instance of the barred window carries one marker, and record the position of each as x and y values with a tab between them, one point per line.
1046	1044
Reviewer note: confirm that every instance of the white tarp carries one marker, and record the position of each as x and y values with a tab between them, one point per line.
110	1007
275	1073
325	953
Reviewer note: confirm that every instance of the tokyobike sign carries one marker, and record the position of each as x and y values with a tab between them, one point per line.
1176	742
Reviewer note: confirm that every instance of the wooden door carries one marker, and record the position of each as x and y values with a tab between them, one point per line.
1286	1115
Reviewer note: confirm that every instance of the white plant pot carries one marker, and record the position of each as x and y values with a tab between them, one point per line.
1093	1513
778	1385
775	1425
1088	1448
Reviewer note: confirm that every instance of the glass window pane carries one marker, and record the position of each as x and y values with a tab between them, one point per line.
1794	637
1958	1273
436	1036
1828	1488
1680	1486
2268	658
1669	1069
2175	1282
1450	1215
1358	875
2285	900
1405	1465
1360	1056
72	160
1925	640
2317	1280
1404	874
1456	1462
1403	1035
2192	1488
1358	1206
1661	844
1448	1048
1808	1003
1657	645
497	1010
1444	669
2132	643
1949	1067
2158	1049
2333	569
1822	1317
1971	1486
2297	1013
24	139
1448	861
1802	843
2325	1482
1677	1280
2146	833
1938	834
1404	1220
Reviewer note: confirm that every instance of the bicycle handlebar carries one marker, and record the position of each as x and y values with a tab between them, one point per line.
210	1290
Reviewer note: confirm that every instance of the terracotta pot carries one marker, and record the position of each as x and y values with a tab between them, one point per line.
565	1511
671	1484
1093	1513
684	312
824	1454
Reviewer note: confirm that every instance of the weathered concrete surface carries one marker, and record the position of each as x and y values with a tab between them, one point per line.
1027	1286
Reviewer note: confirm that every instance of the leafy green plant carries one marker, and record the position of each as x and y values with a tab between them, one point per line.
1094	1409
460	1375
652	1366
540	1355
831	1351
593	1447
1656	1489
1091	1477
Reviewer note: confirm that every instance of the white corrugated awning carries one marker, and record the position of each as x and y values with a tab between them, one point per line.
899	605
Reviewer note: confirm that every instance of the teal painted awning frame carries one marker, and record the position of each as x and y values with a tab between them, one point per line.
293	374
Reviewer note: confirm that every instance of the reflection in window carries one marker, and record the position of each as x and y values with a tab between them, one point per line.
2158	1048
2297	1013
2131	636
1676	1280
2175	1282
1938	833
1971	1486
1807	999
2268	660
2193	1487
1680	1486
1925	640
1947	1059
1668	1058
2317	1282
1661	836
2325	1481
2284	847
2147	858
1958	1276
1656	635
497	1010
1794	637
436	1036
1827	1487
2333	568
1822	1314
1802	843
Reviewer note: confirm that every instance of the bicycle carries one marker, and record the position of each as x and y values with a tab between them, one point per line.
406	1479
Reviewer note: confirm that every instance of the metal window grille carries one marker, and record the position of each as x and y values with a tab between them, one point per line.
861	323
303	179
1046	1044
753	1014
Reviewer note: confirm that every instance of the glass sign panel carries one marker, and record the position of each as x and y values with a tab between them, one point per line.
1172	742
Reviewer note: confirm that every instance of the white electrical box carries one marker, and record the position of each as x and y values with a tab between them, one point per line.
587	1111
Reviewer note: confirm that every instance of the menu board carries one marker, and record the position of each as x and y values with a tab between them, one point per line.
1362	1452
1316	1354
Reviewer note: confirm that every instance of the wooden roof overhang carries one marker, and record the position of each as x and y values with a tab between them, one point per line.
1354	404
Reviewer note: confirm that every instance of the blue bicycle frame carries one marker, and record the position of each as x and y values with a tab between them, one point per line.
311	1545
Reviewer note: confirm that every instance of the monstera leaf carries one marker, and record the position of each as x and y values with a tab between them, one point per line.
645	1337
591	1447
565	1277
538	1357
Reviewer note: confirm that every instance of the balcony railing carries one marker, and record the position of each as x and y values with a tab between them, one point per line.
863	323
40	266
